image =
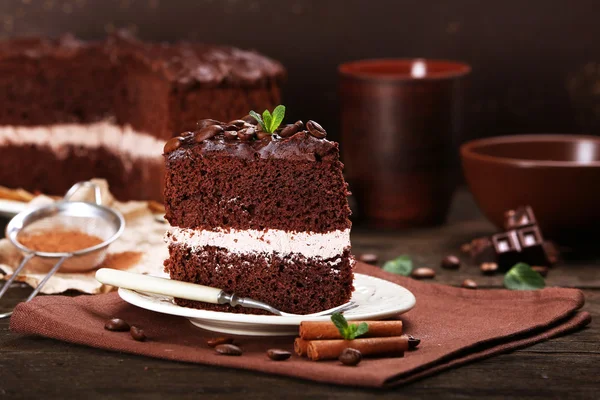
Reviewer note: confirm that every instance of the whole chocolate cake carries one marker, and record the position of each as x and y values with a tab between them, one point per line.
75	110
260	215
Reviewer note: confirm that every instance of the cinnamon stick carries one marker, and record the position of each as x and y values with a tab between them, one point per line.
331	349
301	346
314	330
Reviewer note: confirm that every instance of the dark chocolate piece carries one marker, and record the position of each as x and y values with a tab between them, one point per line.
521	217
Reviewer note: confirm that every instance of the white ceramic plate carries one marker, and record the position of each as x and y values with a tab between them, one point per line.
10	208
376	299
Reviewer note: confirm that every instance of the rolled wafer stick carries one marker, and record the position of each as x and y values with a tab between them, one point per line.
315	330
301	346
331	349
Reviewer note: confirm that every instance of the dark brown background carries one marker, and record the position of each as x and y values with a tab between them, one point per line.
524	55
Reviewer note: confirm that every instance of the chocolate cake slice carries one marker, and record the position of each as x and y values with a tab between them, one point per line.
74	110
260	215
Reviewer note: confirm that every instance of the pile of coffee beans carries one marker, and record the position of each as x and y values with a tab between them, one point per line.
245	129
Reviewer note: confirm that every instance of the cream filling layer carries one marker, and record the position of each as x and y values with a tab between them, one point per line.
120	139
309	244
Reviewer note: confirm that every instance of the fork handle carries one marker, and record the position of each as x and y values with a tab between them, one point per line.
153	284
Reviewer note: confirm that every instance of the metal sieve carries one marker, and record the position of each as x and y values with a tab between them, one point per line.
91	218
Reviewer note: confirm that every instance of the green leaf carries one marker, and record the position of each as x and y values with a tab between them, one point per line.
348	332
259	119
268	120
278	114
362	328
401	265
339	321
522	277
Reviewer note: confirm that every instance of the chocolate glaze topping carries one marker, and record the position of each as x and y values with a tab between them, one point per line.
182	62
248	142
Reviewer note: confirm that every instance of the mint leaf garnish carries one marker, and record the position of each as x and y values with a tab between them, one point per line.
362	329
278	114
259	119
270	122
522	277
348	332
267	119
401	265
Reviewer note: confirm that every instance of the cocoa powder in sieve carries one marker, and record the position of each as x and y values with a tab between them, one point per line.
58	241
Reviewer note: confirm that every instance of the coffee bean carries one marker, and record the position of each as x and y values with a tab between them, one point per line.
237	122
117	325
228	350
350	357
207	133
423	273
288	130
246	134
488	268
250	119
299	124
137	334
368	258
451	262
232	127
469	284
172	144
219	340
413	342
315	129
203	123
230	135
543	271
465	248
278	355
261	135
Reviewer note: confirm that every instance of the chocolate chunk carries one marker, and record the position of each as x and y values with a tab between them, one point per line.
350	357
219	340
519	218
543	271
137	334
315	129
450	262
423	273
532	246
172	144
228	350
469	284
413	342
206	122
278	354
488	268
117	325
288	130
508	249
230	135
368	258
250	119
207	133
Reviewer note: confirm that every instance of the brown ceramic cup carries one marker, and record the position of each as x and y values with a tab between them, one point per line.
400	123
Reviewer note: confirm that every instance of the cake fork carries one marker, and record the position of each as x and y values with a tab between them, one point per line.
192	291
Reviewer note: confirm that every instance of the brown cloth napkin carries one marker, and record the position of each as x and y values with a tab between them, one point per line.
455	325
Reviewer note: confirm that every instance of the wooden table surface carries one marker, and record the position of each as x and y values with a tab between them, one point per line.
563	368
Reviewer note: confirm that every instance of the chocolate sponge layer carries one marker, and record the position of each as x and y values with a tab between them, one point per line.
228	192
290	283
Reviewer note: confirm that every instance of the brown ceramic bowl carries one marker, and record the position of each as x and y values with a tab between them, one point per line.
558	175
